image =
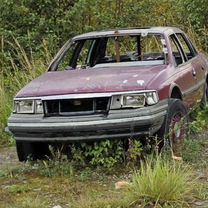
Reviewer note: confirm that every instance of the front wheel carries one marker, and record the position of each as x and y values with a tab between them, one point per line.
32	150
175	127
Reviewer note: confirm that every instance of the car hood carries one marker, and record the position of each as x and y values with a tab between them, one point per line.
91	81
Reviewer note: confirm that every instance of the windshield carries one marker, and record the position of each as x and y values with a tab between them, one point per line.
141	49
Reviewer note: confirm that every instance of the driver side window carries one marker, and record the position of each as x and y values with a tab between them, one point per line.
176	50
83	58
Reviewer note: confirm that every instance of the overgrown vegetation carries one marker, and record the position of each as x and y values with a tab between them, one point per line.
161	182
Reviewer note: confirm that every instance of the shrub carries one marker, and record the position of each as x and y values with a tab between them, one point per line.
104	153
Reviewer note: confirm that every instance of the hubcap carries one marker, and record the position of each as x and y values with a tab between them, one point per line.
177	133
176	126
177	130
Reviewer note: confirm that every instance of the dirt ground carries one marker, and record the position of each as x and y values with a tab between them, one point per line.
8	156
21	188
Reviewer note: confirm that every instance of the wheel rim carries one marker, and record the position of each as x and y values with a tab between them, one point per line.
175	126
177	133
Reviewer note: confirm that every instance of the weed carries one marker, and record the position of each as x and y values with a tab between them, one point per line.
30	203
105	153
20	188
135	150
51	168
191	150
200	121
115	201
202	192
161	182
16	69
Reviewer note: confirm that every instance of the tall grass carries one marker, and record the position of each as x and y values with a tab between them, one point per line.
17	67
162	182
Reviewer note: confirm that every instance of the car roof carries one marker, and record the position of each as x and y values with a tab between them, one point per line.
127	31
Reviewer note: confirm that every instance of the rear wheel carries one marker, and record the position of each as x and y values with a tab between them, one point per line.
175	127
32	150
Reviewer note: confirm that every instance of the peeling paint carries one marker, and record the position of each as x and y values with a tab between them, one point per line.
144	33
163	41
140	82
135	75
125	81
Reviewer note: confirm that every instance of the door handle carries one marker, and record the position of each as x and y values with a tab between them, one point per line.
193	72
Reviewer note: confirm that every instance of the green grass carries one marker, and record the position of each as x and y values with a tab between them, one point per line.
161	181
30	203
16	70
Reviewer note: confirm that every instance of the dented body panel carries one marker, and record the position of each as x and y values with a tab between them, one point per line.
91	81
118	124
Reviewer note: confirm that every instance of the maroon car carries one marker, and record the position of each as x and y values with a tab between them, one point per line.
111	84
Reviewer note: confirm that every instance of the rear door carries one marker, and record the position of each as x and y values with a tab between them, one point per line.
192	57
183	76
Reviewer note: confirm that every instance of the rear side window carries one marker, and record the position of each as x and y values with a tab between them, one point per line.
188	49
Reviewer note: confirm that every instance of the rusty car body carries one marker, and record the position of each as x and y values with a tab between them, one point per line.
111	84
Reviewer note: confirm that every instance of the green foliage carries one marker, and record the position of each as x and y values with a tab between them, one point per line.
196	12
161	182
200	121
135	150
17	68
15	189
55	167
107	153
56	21
34	20
191	150
94	188
104	153
58	165
30	203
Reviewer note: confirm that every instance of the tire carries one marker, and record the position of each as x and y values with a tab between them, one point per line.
175	127
204	101
32	150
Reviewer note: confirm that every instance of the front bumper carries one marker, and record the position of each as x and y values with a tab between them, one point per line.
117	124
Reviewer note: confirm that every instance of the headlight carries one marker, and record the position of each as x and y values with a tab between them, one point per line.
28	106
134	100
24	106
151	98
38	106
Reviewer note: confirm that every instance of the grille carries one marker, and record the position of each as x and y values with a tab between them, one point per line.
76	106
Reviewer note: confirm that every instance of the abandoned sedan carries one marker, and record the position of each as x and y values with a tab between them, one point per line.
111	84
